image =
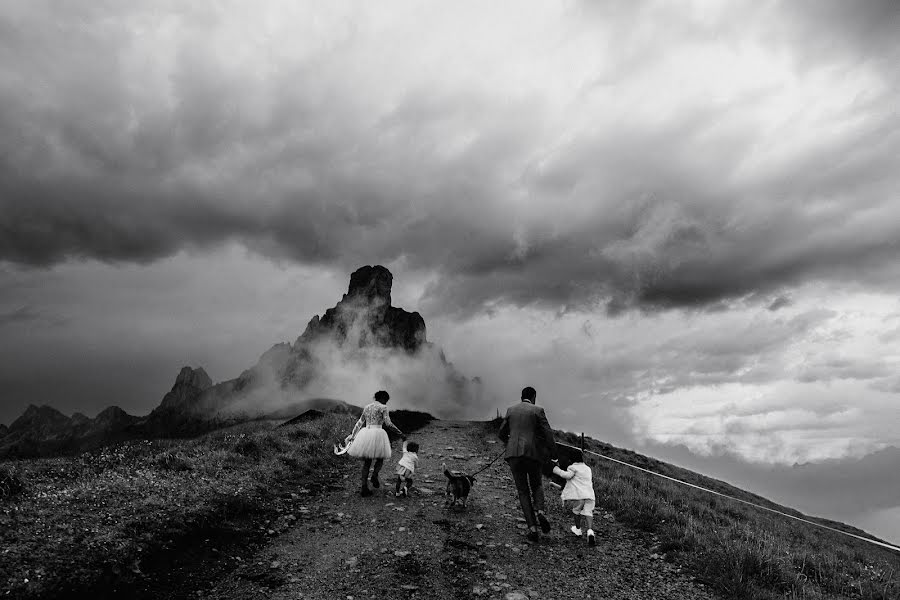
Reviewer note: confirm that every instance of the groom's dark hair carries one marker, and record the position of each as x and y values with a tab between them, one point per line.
529	393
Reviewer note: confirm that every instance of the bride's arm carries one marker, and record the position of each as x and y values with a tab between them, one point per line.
391	426
358	426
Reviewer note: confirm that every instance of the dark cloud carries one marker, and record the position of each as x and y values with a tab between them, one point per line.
117	150
22	314
779	303
889	384
829	27
29	314
836	367
752	352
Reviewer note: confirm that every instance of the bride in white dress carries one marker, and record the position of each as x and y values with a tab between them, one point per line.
370	440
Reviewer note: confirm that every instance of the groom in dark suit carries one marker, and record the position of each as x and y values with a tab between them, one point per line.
529	443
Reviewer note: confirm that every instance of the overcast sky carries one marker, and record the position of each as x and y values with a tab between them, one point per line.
680	223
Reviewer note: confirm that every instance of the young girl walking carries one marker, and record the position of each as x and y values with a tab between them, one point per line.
406	468
578	495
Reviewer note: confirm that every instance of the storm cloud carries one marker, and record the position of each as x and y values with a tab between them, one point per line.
615	154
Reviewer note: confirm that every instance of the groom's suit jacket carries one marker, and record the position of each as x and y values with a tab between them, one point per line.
526	433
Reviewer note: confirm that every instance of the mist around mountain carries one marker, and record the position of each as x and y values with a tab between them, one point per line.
361	345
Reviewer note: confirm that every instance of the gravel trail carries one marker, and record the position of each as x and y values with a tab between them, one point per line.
338	545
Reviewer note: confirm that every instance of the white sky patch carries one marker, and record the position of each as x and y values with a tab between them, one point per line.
828	393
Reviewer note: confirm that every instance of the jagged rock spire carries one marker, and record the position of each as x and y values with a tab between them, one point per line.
365	317
372	284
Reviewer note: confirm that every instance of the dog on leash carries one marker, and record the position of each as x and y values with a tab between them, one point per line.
458	486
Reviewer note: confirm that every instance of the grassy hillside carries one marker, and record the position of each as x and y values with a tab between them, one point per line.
126	518
741	551
104	520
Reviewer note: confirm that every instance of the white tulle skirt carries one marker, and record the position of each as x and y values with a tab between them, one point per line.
370	442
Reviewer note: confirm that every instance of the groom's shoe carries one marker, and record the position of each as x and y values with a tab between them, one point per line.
375	483
545	524
365	491
532	535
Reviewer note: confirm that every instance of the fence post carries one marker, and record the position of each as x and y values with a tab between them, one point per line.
582	442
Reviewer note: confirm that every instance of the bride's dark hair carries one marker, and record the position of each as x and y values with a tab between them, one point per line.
382	396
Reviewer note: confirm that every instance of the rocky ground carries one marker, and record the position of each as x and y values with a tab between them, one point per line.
336	544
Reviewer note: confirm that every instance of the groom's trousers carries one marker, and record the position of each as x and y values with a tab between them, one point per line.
526	473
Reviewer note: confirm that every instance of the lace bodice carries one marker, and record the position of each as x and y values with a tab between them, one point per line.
375	414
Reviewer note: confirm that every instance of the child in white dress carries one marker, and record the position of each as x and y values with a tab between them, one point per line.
578	495
406	468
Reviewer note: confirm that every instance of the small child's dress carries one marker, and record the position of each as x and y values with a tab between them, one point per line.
408	463
578	495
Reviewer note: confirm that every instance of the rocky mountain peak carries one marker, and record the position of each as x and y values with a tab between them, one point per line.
189	384
194	378
80	419
112	416
364	316
373	284
39	417
34	410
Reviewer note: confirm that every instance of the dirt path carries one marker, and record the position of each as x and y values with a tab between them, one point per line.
343	546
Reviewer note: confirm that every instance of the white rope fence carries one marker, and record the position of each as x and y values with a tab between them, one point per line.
772	510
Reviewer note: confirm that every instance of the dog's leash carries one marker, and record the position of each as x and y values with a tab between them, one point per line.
496	458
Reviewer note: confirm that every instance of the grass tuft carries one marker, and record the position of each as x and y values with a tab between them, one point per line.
172	461
11	484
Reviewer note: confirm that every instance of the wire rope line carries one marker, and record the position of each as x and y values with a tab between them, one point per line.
772	510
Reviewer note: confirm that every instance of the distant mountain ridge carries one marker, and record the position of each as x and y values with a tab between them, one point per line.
43	431
363	333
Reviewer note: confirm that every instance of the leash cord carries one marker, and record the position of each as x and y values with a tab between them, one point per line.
772	510
496	458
